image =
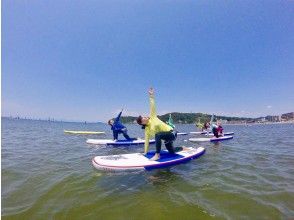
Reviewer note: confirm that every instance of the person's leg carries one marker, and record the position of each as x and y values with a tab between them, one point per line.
115	135
169	137
220	131
125	134
158	138
215	132
169	146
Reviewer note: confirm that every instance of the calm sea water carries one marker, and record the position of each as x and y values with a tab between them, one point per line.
47	174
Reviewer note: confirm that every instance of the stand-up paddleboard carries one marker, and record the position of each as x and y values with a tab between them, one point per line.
198	132
182	133
138	161
118	142
83	132
211	139
225	134
210	133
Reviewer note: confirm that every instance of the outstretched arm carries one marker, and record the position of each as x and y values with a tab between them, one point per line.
211	121
118	116
152	103
212	118
170	121
146	145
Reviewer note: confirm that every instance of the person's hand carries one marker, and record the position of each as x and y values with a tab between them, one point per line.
151	91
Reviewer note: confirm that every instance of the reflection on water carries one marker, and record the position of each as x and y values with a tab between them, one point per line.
163	177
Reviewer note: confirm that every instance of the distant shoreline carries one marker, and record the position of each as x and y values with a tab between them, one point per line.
50	120
130	123
264	123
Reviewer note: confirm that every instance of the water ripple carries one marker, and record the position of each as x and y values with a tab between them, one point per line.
48	175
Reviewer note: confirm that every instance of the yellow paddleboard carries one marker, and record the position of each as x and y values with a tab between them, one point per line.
84	132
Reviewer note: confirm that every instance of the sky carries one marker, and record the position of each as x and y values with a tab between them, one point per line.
84	60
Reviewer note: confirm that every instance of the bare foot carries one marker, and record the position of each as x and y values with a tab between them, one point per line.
185	148
155	157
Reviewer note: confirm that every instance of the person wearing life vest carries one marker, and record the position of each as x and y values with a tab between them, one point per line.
155	127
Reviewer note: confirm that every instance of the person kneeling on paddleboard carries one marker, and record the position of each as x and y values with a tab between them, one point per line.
155	127
217	129
220	128
118	128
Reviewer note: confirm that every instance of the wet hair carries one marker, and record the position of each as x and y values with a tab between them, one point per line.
109	121
139	121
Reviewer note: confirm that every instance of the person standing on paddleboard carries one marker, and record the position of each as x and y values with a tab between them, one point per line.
155	127
118	128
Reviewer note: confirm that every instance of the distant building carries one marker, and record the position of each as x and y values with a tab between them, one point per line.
287	116
272	118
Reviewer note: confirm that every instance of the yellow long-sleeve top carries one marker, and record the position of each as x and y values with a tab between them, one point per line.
154	124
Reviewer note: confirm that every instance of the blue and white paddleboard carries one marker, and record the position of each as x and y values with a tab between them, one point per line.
118	142
138	161
211	139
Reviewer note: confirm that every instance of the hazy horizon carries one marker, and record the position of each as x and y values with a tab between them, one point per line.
97	121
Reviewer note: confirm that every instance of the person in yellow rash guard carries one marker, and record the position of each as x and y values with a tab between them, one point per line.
155	127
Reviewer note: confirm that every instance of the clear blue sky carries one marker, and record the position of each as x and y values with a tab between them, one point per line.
84	60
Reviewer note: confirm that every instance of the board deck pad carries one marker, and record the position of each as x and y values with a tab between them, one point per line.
164	156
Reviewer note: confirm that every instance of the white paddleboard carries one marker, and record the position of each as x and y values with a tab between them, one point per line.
118	142
225	134
182	133
198	132
211	139
138	161
83	132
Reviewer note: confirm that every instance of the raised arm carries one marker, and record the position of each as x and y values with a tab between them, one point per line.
152	103
118	116
212	118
